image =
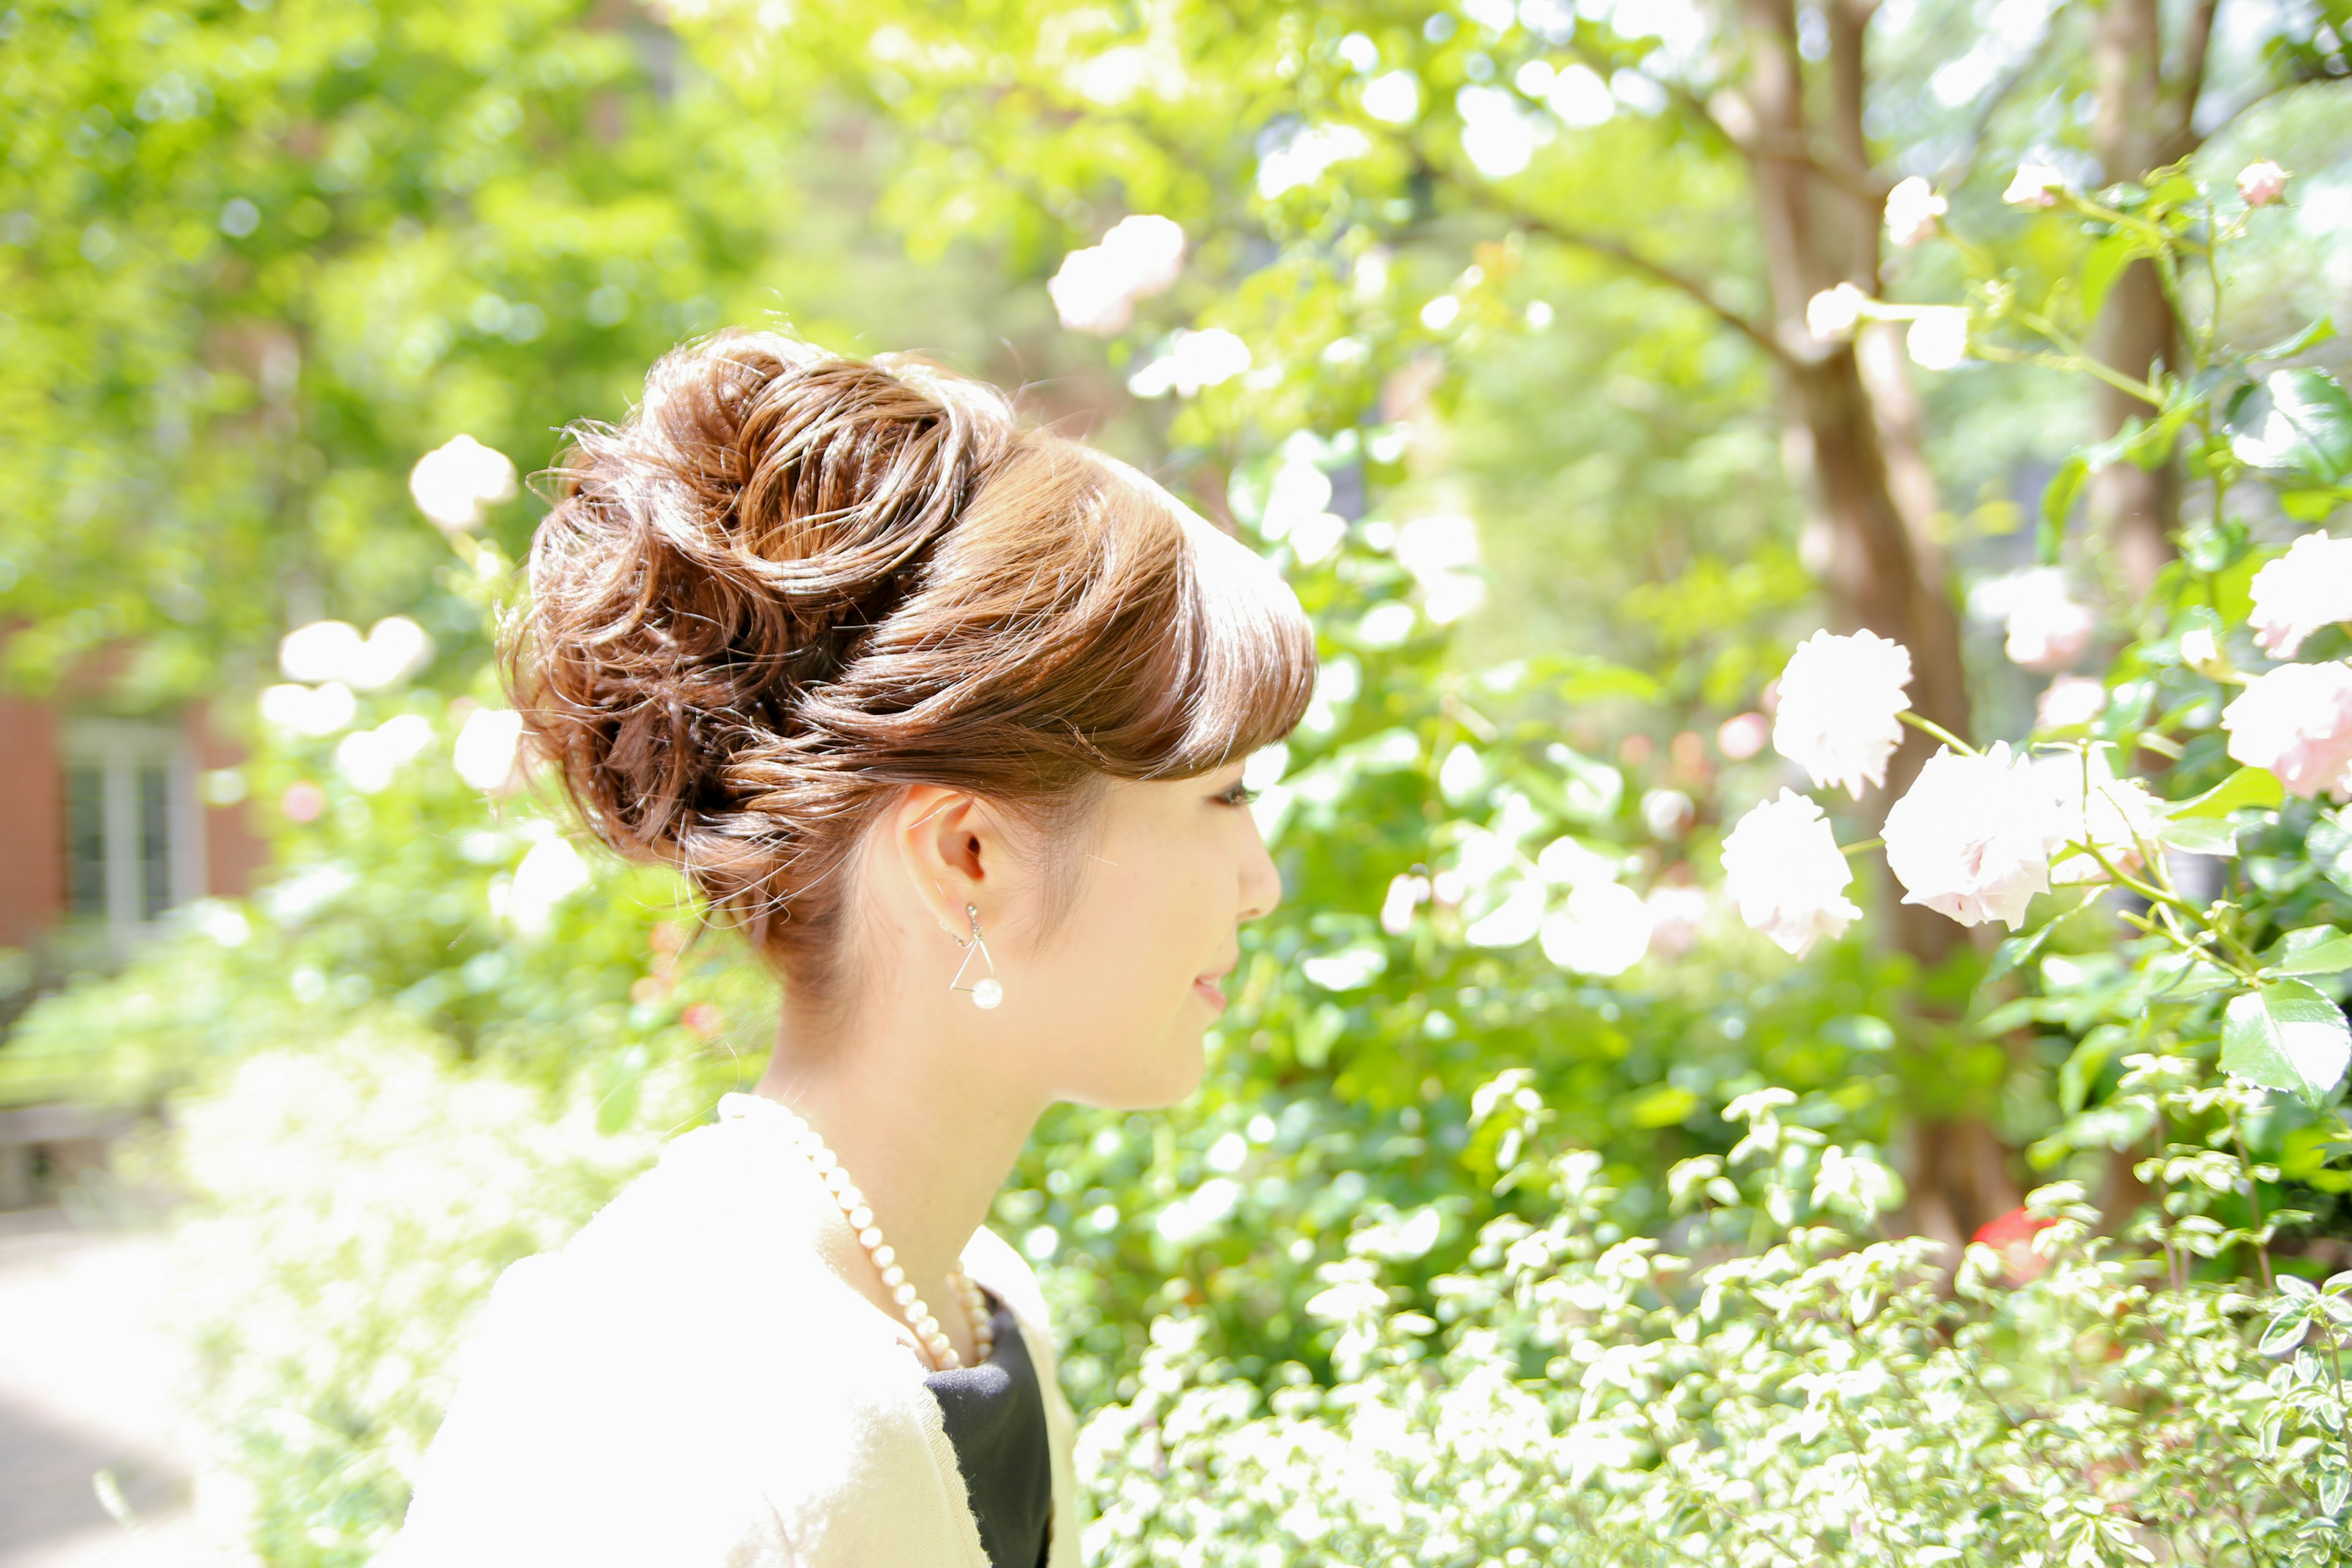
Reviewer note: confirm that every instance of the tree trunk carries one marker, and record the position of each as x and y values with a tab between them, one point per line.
2143	122
1883	570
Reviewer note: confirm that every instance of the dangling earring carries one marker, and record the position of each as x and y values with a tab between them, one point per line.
987	991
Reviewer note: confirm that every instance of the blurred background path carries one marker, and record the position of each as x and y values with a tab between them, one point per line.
86	1385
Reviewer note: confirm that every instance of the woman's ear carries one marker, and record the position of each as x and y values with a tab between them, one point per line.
952	851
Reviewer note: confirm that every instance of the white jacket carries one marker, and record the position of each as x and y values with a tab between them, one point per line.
692	1381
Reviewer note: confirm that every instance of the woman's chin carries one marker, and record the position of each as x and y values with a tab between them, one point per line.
1167	1076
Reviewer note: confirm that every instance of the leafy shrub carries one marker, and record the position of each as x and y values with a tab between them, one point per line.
351	1205
1778	1386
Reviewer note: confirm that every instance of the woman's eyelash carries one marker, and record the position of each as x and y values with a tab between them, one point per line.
1239	795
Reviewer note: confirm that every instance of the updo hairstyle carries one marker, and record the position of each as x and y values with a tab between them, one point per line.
790	584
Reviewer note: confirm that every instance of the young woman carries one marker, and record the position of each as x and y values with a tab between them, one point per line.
949	717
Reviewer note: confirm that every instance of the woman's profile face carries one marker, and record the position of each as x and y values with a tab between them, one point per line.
1116	993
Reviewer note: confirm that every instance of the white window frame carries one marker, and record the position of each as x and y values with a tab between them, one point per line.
118	748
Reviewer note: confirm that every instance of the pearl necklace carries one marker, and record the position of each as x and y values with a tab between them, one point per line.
885	1260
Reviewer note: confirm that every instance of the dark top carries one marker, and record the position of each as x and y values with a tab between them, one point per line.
995	1416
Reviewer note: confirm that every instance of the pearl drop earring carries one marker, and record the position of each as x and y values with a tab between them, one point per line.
987	991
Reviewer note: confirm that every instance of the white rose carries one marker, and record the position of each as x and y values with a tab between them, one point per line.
2048	629
1839	698
2308	587
2296	721
320	650
2034	185
1148	251
1604	929
1782	868
485	752
1832	312
2260	182
1677	914
2069	701
1090	293
457	481
1973	835
1938	338
1911	208
2115	815
1194	359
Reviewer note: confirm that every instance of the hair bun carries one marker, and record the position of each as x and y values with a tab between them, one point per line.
812	479
728	545
789	584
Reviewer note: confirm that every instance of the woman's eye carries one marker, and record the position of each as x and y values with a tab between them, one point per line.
1239	795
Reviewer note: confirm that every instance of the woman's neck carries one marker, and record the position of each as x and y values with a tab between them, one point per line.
926	1135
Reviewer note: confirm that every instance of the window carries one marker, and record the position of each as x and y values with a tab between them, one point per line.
134	841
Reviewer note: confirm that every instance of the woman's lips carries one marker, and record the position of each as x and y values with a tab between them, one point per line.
1207	986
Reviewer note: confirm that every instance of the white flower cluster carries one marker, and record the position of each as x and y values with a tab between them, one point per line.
326	662
1194	359
1979	834
459	481
2296	719
394	648
1937	338
1914	212
1096	289
1782	868
1841	698
2048	627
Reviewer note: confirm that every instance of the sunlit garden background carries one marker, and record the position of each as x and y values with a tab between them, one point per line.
1697	1104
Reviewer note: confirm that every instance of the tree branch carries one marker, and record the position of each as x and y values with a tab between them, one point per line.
1626	256
2195	47
1958	168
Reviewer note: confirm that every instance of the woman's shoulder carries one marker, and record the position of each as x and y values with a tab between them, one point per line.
996	1264
684	1380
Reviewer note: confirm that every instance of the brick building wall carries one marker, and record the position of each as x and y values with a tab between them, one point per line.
214	849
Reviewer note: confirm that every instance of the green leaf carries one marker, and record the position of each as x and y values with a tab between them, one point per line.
2286	1037
2329	846
2297	418
2304	1155
2057	501
2017	950
1589	790
2146	443
2318	332
2286	1331
2105	265
2313	505
2199	836
1580	677
2177	977
2247	786
2315	950
2081	1072
2233	589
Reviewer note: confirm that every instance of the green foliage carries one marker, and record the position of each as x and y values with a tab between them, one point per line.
1771	1384
327	1311
257	259
401	900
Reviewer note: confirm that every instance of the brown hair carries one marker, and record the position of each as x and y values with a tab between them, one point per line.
790	584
